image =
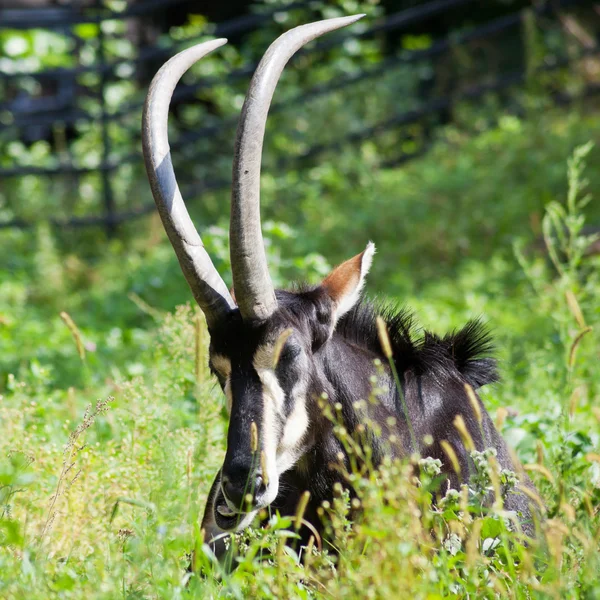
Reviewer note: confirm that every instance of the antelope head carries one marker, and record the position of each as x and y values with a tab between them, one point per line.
263	343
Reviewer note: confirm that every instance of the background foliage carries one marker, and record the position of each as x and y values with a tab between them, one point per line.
111	428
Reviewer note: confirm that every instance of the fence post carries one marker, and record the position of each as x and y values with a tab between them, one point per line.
107	191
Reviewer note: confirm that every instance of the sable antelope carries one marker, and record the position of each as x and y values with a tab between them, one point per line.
272	382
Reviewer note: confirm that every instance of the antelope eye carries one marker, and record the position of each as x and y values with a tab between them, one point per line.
289	353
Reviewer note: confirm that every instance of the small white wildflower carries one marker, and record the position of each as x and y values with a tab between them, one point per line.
453	544
430	466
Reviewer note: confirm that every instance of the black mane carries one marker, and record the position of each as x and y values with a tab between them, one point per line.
467	350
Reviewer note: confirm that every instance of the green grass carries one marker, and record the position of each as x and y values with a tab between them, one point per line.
103	502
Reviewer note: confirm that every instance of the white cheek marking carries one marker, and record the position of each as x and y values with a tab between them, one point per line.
291	447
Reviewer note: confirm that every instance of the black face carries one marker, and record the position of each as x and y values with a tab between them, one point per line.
266	371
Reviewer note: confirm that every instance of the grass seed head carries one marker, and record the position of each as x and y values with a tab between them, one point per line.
384	338
253	437
461	427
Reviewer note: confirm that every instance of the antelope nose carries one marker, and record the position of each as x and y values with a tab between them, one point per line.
236	489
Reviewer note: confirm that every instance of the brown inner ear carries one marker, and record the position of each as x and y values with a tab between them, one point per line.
344	278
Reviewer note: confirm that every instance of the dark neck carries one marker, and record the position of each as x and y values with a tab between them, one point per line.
349	369
352	375
344	373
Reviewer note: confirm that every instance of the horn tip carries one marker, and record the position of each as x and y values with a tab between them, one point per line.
214	44
345	21
337	22
208	45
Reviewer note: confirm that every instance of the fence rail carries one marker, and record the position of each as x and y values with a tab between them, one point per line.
51	111
189	91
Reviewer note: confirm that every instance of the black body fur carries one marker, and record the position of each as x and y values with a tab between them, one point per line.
433	371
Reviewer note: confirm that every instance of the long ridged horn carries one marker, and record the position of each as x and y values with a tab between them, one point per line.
254	290
206	284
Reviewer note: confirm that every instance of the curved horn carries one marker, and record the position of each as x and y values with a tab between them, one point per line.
253	287
205	282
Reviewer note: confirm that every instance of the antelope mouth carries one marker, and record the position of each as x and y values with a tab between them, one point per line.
226	516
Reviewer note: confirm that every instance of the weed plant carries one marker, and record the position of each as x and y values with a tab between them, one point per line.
104	502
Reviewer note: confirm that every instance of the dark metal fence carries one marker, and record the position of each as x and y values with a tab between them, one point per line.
26	113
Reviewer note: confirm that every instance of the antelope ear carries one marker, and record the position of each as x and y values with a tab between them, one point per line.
344	284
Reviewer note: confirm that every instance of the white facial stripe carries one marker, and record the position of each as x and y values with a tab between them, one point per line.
280	454
272	390
273	405
270	435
